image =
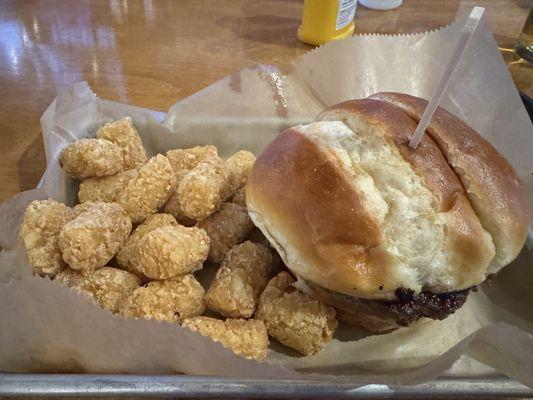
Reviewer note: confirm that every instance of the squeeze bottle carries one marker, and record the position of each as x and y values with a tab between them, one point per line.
325	20
381	4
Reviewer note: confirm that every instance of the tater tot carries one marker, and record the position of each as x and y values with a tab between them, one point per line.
43	220
240	164
255	259
108	286
153	221
105	189
172	300
70	277
203	183
81	208
150	190
231	294
173	207
74	279
202	191
185	160
226	228
294	318
111	286
124	134
247	338
91	239
239	197
150	223
170	251
239	281
88	158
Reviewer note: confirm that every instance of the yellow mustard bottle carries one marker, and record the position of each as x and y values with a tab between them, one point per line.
325	20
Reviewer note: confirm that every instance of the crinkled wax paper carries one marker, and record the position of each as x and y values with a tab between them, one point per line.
47	327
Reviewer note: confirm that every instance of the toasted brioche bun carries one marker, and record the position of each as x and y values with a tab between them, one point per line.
352	209
492	186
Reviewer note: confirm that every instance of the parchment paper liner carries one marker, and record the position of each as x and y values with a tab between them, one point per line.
48	328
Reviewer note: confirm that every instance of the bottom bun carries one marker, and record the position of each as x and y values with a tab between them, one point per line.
379	316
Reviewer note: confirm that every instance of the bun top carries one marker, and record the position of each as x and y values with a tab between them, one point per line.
492	186
350	207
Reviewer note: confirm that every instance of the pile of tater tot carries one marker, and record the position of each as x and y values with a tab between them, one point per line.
144	226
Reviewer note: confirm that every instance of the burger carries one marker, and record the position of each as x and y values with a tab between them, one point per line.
385	233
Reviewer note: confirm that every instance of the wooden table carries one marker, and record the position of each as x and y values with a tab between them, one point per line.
152	53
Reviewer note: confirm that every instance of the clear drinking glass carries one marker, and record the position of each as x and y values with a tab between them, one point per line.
524	46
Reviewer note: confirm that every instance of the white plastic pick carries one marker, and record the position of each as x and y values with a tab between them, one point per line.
468	31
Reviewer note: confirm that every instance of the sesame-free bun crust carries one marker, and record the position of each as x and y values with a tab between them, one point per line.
492	186
351	208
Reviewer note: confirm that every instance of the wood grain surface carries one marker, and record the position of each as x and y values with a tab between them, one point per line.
152	53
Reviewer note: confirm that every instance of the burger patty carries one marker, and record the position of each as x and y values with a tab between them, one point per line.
401	312
408	308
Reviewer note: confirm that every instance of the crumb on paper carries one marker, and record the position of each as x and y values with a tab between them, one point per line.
105	189
226	228
239	281
42	223
124	134
170	300
94	236
247	338
240	164
294	318
170	251
88	158
150	190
